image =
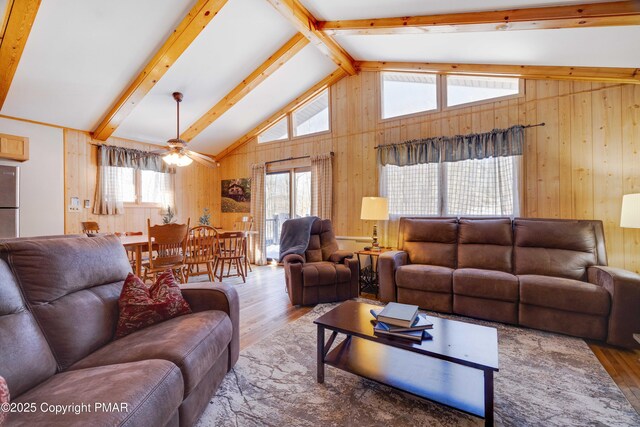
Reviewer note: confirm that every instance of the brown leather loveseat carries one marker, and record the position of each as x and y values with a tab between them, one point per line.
58	314
541	273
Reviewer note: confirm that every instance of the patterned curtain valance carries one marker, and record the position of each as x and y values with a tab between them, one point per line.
497	143
410	153
129	158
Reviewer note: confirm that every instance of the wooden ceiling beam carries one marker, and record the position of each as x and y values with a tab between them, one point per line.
313	91
16	26
307	24
180	39
572	16
596	74
260	74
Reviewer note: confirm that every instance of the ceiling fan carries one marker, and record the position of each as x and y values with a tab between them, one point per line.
177	153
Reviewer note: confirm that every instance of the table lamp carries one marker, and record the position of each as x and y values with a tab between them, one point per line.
375	209
630	216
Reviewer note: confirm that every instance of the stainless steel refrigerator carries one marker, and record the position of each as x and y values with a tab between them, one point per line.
9	201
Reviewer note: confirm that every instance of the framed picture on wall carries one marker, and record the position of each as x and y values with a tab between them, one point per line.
236	195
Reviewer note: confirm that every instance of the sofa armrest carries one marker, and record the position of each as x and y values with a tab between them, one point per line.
339	256
624	288
223	297
293	277
387	265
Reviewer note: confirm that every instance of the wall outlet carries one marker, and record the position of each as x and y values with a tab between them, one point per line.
72	208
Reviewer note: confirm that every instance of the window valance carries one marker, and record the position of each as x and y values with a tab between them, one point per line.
497	143
130	158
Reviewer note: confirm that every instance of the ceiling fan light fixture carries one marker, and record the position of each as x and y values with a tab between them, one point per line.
183	160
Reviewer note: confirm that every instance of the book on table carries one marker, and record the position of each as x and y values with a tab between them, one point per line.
396	314
417	336
421	323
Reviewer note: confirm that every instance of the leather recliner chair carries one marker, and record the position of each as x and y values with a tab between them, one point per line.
323	273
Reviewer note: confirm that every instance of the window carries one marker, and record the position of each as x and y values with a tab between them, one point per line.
312	117
468	89
408	93
287	195
412	190
486	187
143	187
480	187
277	132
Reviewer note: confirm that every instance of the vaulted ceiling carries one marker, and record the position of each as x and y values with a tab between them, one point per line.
110	67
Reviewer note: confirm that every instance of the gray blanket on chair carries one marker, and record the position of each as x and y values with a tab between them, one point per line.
295	235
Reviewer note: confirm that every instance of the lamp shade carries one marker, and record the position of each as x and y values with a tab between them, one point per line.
630	217
374	208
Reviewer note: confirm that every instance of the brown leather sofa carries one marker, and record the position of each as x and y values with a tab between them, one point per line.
323	273
546	274
58	314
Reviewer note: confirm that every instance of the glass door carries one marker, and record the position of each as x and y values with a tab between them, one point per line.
287	195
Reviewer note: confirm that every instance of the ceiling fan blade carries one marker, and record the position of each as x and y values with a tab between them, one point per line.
202	159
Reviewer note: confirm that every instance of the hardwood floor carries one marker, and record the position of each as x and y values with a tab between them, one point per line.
265	307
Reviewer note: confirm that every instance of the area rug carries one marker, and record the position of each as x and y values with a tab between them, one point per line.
544	380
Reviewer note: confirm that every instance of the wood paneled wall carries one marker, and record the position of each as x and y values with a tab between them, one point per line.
577	166
194	187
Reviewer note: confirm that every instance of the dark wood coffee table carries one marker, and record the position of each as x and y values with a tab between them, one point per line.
455	368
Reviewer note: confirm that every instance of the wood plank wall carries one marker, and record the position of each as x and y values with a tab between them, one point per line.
578	166
193	187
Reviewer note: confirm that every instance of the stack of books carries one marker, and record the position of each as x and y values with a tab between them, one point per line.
401	321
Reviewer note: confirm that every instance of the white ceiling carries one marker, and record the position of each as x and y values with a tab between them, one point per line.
3	5
81	55
335	10
593	47
220	58
300	73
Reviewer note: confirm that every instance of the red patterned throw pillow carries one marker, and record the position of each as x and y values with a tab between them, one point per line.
4	400
142	305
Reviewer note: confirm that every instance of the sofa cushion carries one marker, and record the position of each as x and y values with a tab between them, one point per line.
553	248
422	277
322	242
141	305
431	241
152	391
485	244
26	357
325	273
488	284
564	294
69	282
193	342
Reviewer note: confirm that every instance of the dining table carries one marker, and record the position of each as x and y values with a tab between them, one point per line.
136	244
140	243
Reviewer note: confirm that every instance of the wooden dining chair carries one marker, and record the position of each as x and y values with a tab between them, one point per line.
245	223
200	251
90	227
167	249
230	250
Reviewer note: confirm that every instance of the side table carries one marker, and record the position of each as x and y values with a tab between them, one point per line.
369	273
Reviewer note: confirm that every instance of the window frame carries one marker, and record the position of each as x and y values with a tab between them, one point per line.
520	94
441	94
137	179
284	117
289	116
416	114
